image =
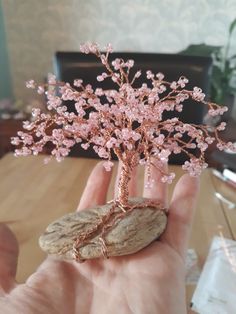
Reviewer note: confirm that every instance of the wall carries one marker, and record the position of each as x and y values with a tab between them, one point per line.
5	80
36	29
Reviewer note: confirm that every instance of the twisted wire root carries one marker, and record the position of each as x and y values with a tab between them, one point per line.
103	247
76	254
108	222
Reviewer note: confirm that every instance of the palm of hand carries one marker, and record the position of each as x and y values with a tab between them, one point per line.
151	281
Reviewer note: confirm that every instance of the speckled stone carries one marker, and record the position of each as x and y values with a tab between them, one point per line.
134	231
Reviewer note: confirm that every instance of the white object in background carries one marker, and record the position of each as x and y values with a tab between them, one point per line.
192	269
230	204
229	151
216	290
229	175
225	176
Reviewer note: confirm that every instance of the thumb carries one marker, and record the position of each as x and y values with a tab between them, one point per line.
8	258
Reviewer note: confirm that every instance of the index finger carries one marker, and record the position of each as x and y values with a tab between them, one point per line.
95	192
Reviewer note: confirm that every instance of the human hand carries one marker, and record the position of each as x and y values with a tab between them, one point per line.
151	281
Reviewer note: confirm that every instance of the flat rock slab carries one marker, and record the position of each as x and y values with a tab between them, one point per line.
131	232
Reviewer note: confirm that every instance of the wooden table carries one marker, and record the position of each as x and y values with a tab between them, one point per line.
8	128
33	194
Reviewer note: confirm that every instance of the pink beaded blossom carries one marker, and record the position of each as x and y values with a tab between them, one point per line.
127	120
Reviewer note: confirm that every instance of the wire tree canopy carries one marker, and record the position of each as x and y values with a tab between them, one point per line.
127	120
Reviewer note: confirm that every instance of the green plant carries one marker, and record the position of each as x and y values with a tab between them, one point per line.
223	81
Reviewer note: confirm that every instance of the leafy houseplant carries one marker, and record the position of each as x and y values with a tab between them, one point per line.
223	84
128	121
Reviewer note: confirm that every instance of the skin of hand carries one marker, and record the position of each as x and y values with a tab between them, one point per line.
150	281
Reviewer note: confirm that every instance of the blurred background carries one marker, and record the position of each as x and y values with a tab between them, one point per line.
31	31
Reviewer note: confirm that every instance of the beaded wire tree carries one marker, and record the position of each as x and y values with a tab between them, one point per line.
127	120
